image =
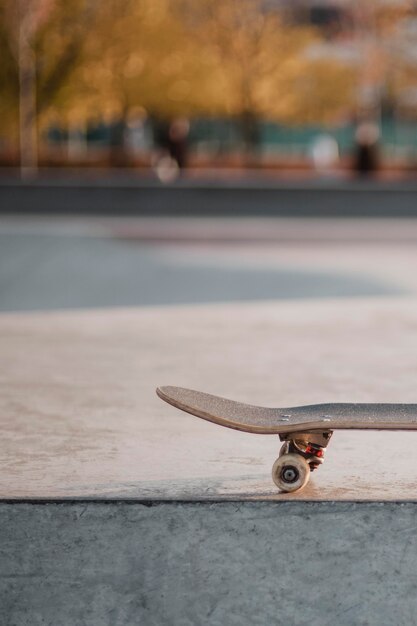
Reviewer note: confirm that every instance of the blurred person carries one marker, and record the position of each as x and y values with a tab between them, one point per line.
172	155
138	136
76	142
166	168
177	143
324	153
366	149
117	128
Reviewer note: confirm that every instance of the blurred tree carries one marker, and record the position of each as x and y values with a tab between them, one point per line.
9	77
262	68
41	41
170	57
148	59
22	19
384	50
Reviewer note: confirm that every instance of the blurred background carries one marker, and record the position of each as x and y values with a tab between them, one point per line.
300	86
172	151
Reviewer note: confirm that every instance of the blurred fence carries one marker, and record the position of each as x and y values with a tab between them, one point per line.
218	142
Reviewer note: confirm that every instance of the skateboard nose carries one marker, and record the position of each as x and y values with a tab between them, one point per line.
168	393
164	390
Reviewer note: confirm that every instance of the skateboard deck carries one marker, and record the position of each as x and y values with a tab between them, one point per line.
276	421
305	430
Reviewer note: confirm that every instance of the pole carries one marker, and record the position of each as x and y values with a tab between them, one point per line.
27	96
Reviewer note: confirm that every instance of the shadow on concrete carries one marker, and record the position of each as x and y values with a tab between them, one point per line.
58	272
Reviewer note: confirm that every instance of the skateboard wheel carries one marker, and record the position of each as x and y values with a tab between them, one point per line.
290	472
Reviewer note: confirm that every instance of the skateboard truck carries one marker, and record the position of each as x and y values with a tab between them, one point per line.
301	454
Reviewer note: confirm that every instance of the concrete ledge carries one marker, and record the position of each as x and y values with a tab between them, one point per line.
261	198
116	509
220	564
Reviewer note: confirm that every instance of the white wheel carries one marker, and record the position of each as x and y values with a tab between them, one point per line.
290	472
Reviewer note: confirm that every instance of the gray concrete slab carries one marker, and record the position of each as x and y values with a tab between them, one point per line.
54	272
109	195
80	419
224	564
73	263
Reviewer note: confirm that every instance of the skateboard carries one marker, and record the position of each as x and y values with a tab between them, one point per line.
304	430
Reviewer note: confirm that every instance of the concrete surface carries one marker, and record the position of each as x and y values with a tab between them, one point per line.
109	195
80	418
116	509
65	265
53	263
224	564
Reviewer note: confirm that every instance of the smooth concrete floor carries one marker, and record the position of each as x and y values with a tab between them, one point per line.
47	272
78	412
60	263
80	419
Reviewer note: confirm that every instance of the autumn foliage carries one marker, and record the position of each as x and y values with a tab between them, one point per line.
172	56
